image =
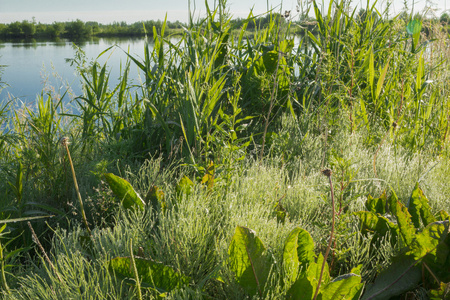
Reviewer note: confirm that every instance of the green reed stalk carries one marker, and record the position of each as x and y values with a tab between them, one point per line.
4	284
136	274
327	172
65	142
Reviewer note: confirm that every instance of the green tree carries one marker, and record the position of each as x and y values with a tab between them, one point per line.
28	29
3	30
15	29
58	28
77	29
445	18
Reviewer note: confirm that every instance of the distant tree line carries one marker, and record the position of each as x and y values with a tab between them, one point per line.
260	22
79	29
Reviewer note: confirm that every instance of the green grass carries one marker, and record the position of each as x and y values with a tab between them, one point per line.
194	233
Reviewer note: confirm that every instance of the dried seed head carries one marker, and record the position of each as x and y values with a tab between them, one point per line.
64	141
327	172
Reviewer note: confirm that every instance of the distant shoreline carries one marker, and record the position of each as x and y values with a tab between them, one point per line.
78	29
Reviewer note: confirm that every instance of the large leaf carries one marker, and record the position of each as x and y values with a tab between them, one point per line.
298	252
152	274
302	289
305	286
185	186
371	74
427	241
419	209
398	278
443	292
433	244
377	205
442	215
124	191
344	287
378	225
247	261
381	80
406	228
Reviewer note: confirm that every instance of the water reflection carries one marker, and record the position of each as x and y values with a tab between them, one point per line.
34	65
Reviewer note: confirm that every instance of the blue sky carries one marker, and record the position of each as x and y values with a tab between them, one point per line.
107	11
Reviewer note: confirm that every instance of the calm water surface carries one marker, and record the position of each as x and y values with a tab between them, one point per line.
33	67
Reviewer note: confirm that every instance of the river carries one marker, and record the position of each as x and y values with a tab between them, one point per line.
32	67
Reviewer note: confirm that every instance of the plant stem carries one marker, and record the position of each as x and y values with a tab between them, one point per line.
136	275
272	98
36	240
327	172
65	143
3	276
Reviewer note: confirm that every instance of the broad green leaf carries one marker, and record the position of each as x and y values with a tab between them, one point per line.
414	27
400	277
364	111
302	289
427	241
305	286
406	228
185	185
161	121
152	274
286	46
345	287
247	260
314	270
371	74
381	80
377	224
442	215
377	205
443	292
124	191
368	220
298	252
271	61
419	209
320	21
155	196
420	73
317	43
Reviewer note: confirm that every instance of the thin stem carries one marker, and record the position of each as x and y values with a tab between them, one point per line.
65	143
36	240
327	172
136	274
3	276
